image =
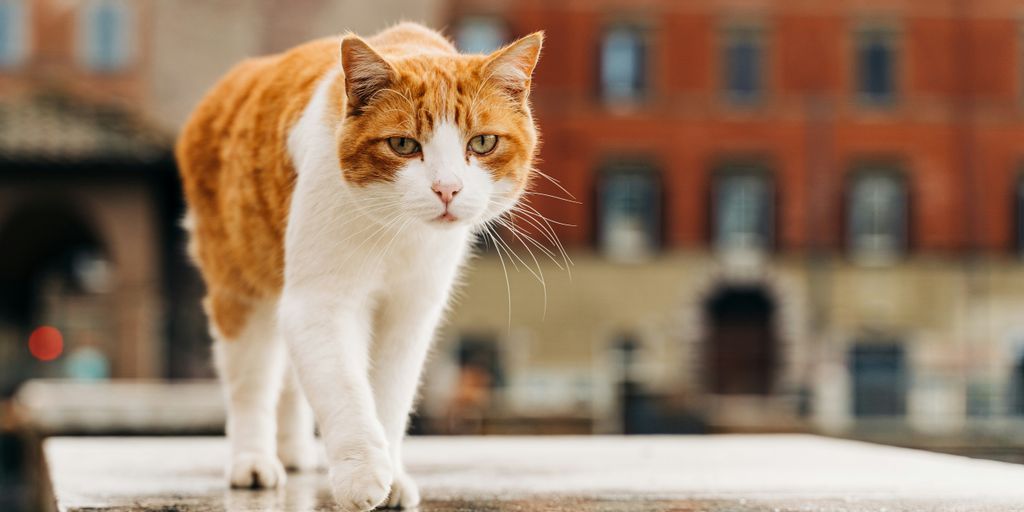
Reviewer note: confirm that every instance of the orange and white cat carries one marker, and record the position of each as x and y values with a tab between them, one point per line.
333	192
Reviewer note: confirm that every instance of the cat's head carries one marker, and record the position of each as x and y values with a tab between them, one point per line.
443	138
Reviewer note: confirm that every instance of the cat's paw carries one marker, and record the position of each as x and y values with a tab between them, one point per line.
299	455
362	483
255	471
405	494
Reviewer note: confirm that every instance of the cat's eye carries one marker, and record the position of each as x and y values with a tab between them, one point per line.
483	144
404	146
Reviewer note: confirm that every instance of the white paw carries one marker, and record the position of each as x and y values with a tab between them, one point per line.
362	483
300	455
404	493
255	471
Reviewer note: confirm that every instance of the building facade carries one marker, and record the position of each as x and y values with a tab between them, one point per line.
92	93
789	215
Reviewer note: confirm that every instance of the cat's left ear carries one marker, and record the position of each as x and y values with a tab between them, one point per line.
513	65
366	72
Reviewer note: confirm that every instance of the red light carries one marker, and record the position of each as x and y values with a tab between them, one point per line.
46	343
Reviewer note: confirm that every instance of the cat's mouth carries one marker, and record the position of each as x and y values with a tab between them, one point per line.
446	217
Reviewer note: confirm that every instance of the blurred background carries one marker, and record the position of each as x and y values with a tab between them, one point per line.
783	216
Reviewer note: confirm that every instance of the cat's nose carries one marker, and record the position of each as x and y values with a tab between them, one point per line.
446	191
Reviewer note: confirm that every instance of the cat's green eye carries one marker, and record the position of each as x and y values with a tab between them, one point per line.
483	144
404	146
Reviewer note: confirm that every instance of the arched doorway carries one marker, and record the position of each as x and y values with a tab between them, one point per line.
741	346
54	270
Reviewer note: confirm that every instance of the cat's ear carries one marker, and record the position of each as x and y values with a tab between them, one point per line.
513	65
366	72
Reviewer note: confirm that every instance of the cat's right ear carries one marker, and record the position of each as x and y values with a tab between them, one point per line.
366	72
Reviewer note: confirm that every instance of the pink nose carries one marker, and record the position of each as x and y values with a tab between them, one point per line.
446	191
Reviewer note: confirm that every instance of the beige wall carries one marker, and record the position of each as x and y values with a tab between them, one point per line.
957	326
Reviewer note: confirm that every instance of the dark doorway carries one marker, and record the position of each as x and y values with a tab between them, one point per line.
879	379
55	273
741	346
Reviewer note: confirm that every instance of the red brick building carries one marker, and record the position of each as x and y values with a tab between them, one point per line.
797	212
947	115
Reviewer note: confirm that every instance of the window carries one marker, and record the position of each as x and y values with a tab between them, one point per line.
743	210
629	208
480	34
877	216
13	33
876	66
743	56
104	35
623	64
878	371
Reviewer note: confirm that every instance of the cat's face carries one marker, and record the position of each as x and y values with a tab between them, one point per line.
441	138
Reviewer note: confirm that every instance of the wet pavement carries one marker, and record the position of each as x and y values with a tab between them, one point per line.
684	473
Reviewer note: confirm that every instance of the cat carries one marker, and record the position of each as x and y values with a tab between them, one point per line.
333	192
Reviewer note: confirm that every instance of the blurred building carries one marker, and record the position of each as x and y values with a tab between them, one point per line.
783	215
793	215
91	95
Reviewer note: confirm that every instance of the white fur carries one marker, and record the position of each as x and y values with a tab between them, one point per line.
368	272
251	369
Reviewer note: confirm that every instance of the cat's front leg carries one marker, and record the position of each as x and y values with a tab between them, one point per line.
405	328
408	315
328	339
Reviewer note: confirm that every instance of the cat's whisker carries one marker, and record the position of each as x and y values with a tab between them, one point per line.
380	229
525	204
540	270
526	236
394	237
544	224
501	242
504	269
516	256
552	196
341	242
531	218
548	235
553	181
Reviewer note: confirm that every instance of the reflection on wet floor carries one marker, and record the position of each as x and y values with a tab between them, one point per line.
736	473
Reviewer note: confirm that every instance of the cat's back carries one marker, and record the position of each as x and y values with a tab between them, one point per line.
236	173
240	123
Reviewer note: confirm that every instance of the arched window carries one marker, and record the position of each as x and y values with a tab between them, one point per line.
629	212
743	210
877	217
623	64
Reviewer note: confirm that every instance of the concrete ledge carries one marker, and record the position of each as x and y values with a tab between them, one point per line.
61	406
728	473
